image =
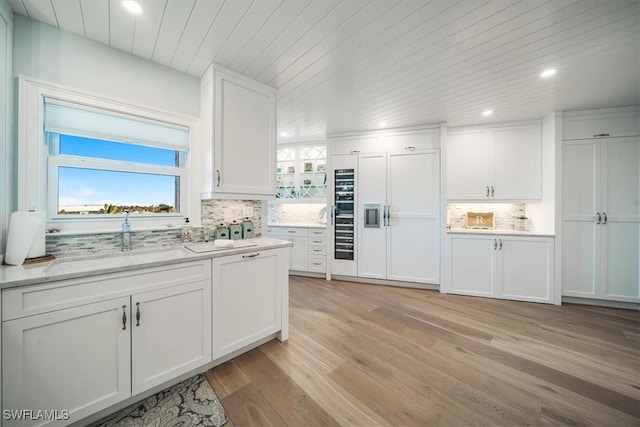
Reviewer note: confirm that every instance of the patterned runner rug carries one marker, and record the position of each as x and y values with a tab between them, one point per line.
190	403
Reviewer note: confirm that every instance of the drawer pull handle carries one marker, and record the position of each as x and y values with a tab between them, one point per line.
291	231
600	135
492	191
605	218
218	174
137	314
487	191
317	250
599	218
251	256
124	317
316	263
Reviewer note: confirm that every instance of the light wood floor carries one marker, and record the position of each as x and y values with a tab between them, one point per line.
372	355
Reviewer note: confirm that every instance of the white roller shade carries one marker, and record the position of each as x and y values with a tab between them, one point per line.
74	120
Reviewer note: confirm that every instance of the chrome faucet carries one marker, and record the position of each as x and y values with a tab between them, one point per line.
126	234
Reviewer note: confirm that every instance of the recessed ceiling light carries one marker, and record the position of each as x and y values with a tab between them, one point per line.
487	113
132	6
382	124
284	134
548	72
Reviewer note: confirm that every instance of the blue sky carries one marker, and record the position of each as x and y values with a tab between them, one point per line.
96	187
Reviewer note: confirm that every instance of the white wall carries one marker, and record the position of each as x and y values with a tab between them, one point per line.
47	53
542	214
6	122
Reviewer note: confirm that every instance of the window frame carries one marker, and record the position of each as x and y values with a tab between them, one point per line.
37	167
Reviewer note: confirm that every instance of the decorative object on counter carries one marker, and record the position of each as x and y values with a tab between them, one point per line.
126	233
23	240
307	182
235	230
503	213
191	402
308	167
291	169
214	212
206	233
479	220
247	228
221	232
187	234
521	223
321	167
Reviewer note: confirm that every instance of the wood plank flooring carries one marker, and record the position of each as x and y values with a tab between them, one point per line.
366	355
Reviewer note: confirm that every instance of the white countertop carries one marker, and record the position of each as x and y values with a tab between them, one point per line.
74	267
297	224
497	232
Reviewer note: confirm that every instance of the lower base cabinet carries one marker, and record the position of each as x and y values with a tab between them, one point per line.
500	266
249	299
78	357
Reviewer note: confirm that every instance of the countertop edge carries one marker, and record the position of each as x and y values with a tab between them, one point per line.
484	232
37	275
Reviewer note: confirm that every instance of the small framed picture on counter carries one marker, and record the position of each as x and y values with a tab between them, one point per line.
308	167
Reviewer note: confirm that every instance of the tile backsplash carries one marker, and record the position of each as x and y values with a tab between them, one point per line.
305	213
503	213
212	212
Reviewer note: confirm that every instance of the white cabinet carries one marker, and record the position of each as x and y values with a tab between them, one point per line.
170	333
609	122
509	267
86	344
501	163
301	172
238	119
76	359
601	218
308	253
250	299
398	211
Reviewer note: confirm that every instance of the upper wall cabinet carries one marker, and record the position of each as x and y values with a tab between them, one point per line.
386	141
604	123
301	172
239	133
501	163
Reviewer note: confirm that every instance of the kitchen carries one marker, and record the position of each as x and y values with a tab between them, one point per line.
552	120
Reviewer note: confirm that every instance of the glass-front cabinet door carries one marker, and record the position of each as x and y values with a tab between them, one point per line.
301	171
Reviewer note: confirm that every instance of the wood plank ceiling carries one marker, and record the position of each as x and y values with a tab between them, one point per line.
349	65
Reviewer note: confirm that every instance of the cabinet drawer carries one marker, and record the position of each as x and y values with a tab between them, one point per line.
314	232
317	250
317	241
272	232
37	299
293	232
317	264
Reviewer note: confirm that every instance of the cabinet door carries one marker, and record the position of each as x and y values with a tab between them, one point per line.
244	136
76	359
517	163
413	247
247	299
525	268
472	265
580	229
469	165
171	333
299	259
372	193
621	205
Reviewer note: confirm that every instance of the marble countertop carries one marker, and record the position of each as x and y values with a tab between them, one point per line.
297	224
74	267
497	232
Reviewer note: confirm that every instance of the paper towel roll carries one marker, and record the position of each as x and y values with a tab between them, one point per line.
23	227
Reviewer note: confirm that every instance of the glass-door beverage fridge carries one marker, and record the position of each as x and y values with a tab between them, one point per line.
343	218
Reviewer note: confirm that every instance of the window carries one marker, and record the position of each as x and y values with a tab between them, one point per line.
100	163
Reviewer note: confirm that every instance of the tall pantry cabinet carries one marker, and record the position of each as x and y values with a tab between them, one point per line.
600	205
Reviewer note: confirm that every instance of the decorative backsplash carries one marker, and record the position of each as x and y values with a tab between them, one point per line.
306	213
213	212
504	214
